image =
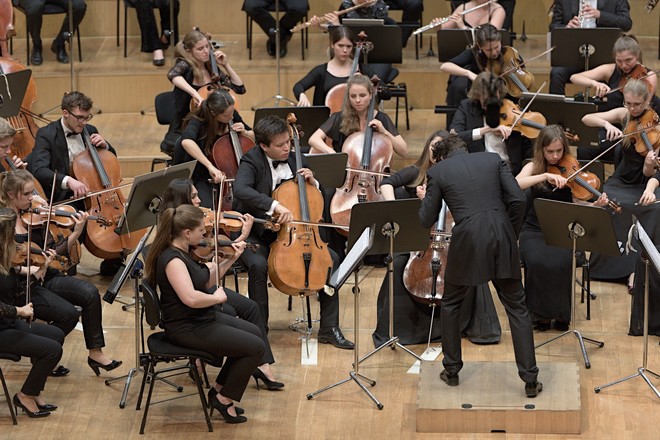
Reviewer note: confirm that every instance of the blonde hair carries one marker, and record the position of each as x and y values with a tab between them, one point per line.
350	121
6	130
12	182
183	48
7	232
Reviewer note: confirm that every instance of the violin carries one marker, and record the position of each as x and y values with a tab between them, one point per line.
62	216
584	184
530	125
424	274
510	67
368	152
644	132
99	169
203	251
638	72
337	95
37	258
299	262
230	221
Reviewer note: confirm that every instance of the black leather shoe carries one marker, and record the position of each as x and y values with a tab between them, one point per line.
335	337
60	53
283	43
36	58
449	379
47	407
159	62
60	371
532	389
270	46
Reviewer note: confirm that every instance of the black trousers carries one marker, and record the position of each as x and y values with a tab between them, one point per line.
258	10
559	76
54	302
34	10
42	343
238	340
257	267
412	13
147	21
457	89
512	296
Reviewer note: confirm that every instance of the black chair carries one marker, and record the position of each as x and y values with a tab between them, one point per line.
13	358
304	42
419	39
162	350
130	4
165	114
48	10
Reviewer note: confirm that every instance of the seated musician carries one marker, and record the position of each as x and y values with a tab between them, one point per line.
412	319
202	129
40	342
606	77
7	133
470	124
565	14
56	146
151	41
56	297
548	273
183	192
261	170
258	11
492	14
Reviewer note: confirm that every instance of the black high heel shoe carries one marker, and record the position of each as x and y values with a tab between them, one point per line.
96	365
223	409
212	396
271	385
32	415
47	407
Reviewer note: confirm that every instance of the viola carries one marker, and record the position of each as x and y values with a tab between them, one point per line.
299	262
99	169
644	132
530	125
370	153
337	95
424	274
584	185
510	68
204	250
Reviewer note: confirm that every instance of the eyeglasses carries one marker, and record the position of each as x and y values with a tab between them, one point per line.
82	118
633	104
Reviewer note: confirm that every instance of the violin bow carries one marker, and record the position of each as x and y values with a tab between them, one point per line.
216	210
92	194
649	73
528	105
28	294
512	69
50	210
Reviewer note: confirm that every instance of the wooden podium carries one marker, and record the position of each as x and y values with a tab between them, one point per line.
491	398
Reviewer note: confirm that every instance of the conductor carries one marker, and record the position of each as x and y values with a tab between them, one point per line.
488	208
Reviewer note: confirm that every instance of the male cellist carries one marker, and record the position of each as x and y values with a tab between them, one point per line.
261	170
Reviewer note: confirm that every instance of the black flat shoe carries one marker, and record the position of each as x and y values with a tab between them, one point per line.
449	379
212	394
32	415
60	53
96	365
47	407
36	57
160	62
335	337
60	371
532	389
271	385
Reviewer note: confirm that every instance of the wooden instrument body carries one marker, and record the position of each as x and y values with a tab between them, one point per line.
518	79
226	155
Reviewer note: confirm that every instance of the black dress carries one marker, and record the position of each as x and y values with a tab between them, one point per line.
547	268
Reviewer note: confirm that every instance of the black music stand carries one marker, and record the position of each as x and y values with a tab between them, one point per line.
452	42
329	169
568	114
576	227
351	264
398	230
386	42
649	255
309	118
12	91
142	212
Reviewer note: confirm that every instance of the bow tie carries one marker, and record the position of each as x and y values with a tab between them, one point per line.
69	134
277	163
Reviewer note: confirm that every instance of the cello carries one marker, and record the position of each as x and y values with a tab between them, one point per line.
371	154
337	95
99	170
299	262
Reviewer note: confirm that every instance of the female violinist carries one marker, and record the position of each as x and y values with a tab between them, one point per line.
191	72
7	133
605	78
55	299
637	165
40	342
202	130
548	272
470	124
493	14
190	318
412	319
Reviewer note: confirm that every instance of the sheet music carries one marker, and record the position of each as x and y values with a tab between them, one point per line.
649	247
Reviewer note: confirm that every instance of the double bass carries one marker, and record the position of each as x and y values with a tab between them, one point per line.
299	262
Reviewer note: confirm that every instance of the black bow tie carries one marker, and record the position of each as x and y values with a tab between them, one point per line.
277	163
69	134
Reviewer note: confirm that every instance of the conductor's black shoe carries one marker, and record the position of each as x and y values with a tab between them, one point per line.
335	337
532	389
36	58
449	379
60	53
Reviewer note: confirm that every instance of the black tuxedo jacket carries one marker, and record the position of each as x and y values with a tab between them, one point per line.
613	13
470	116
50	155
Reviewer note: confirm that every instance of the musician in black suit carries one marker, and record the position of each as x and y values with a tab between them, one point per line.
470	124
488	208
565	14
261	170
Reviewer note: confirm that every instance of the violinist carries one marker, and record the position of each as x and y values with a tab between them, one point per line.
353	118
603	13
56	298
548	273
151	41
40	342
7	133
183	192
412	319
263	169
190	318
202	129
493	14
470	123
607	77
190	73
637	165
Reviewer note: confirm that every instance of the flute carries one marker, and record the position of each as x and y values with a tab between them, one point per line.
307	24
446	19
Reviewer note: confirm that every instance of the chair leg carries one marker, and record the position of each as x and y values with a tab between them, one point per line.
79	47
118	22
200	391
7	398
150	370
405	100
125	31
144	382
